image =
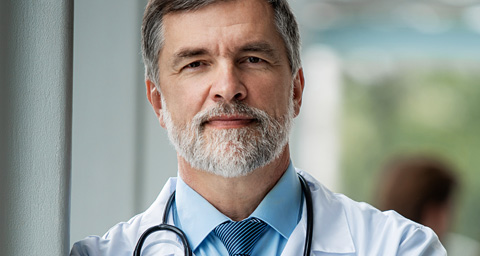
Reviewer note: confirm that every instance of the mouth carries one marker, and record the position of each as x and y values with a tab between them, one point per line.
229	121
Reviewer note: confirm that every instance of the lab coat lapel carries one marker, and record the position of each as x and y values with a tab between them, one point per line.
331	233
160	243
154	214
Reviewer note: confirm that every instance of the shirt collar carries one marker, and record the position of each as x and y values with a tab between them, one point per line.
281	209
197	217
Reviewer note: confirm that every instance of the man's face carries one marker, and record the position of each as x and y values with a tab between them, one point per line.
226	83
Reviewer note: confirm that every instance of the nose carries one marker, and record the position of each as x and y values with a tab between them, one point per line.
228	85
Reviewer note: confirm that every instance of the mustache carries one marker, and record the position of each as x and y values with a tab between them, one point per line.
233	108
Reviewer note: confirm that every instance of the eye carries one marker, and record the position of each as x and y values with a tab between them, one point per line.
254	59
195	64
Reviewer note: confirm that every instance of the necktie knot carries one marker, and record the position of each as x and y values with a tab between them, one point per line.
239	237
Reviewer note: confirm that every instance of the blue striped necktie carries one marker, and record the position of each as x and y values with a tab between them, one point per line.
240	237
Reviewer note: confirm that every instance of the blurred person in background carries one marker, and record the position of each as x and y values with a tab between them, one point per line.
424	189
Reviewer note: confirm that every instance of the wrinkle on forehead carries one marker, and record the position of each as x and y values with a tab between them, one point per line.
257	9
233	23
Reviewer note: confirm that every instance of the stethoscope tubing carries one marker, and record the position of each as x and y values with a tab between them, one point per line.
164	226
183	237
308	200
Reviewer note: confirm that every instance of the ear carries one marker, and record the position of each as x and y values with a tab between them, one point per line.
298	85
155	99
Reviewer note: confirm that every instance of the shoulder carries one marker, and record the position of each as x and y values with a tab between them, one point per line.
388	231
117	241
367	230
122	238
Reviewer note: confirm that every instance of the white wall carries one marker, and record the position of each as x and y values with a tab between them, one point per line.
35	126
316	134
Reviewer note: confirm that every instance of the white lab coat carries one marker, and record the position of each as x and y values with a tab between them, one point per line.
341	227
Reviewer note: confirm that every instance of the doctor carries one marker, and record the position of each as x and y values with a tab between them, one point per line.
225	80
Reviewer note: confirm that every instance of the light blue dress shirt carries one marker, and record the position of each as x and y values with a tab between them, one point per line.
280	209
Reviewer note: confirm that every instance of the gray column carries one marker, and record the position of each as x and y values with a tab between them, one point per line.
121	156
35	126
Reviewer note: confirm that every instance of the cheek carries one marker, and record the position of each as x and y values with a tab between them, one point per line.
185	101
273	96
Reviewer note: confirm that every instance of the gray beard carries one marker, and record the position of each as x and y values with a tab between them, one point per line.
230	152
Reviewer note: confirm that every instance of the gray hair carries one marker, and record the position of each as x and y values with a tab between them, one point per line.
153	38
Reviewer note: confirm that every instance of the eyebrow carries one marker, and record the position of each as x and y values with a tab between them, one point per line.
187	53
261	47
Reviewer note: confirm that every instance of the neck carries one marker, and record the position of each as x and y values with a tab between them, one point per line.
235	197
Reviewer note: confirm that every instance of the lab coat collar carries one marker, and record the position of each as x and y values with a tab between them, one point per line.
164	243
154	214
331	231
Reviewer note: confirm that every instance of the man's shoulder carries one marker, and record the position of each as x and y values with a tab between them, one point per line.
122	238
367	229
356	213
388	231
117	240
366	220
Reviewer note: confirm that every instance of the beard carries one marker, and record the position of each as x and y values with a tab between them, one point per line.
231	152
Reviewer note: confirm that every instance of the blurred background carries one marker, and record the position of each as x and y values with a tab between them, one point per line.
383	78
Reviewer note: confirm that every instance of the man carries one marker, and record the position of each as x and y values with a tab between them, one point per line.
224	79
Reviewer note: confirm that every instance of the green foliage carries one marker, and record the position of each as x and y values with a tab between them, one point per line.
433	109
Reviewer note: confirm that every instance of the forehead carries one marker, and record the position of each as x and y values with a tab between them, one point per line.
236	21
234	9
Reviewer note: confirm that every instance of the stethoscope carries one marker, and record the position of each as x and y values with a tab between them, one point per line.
188	252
